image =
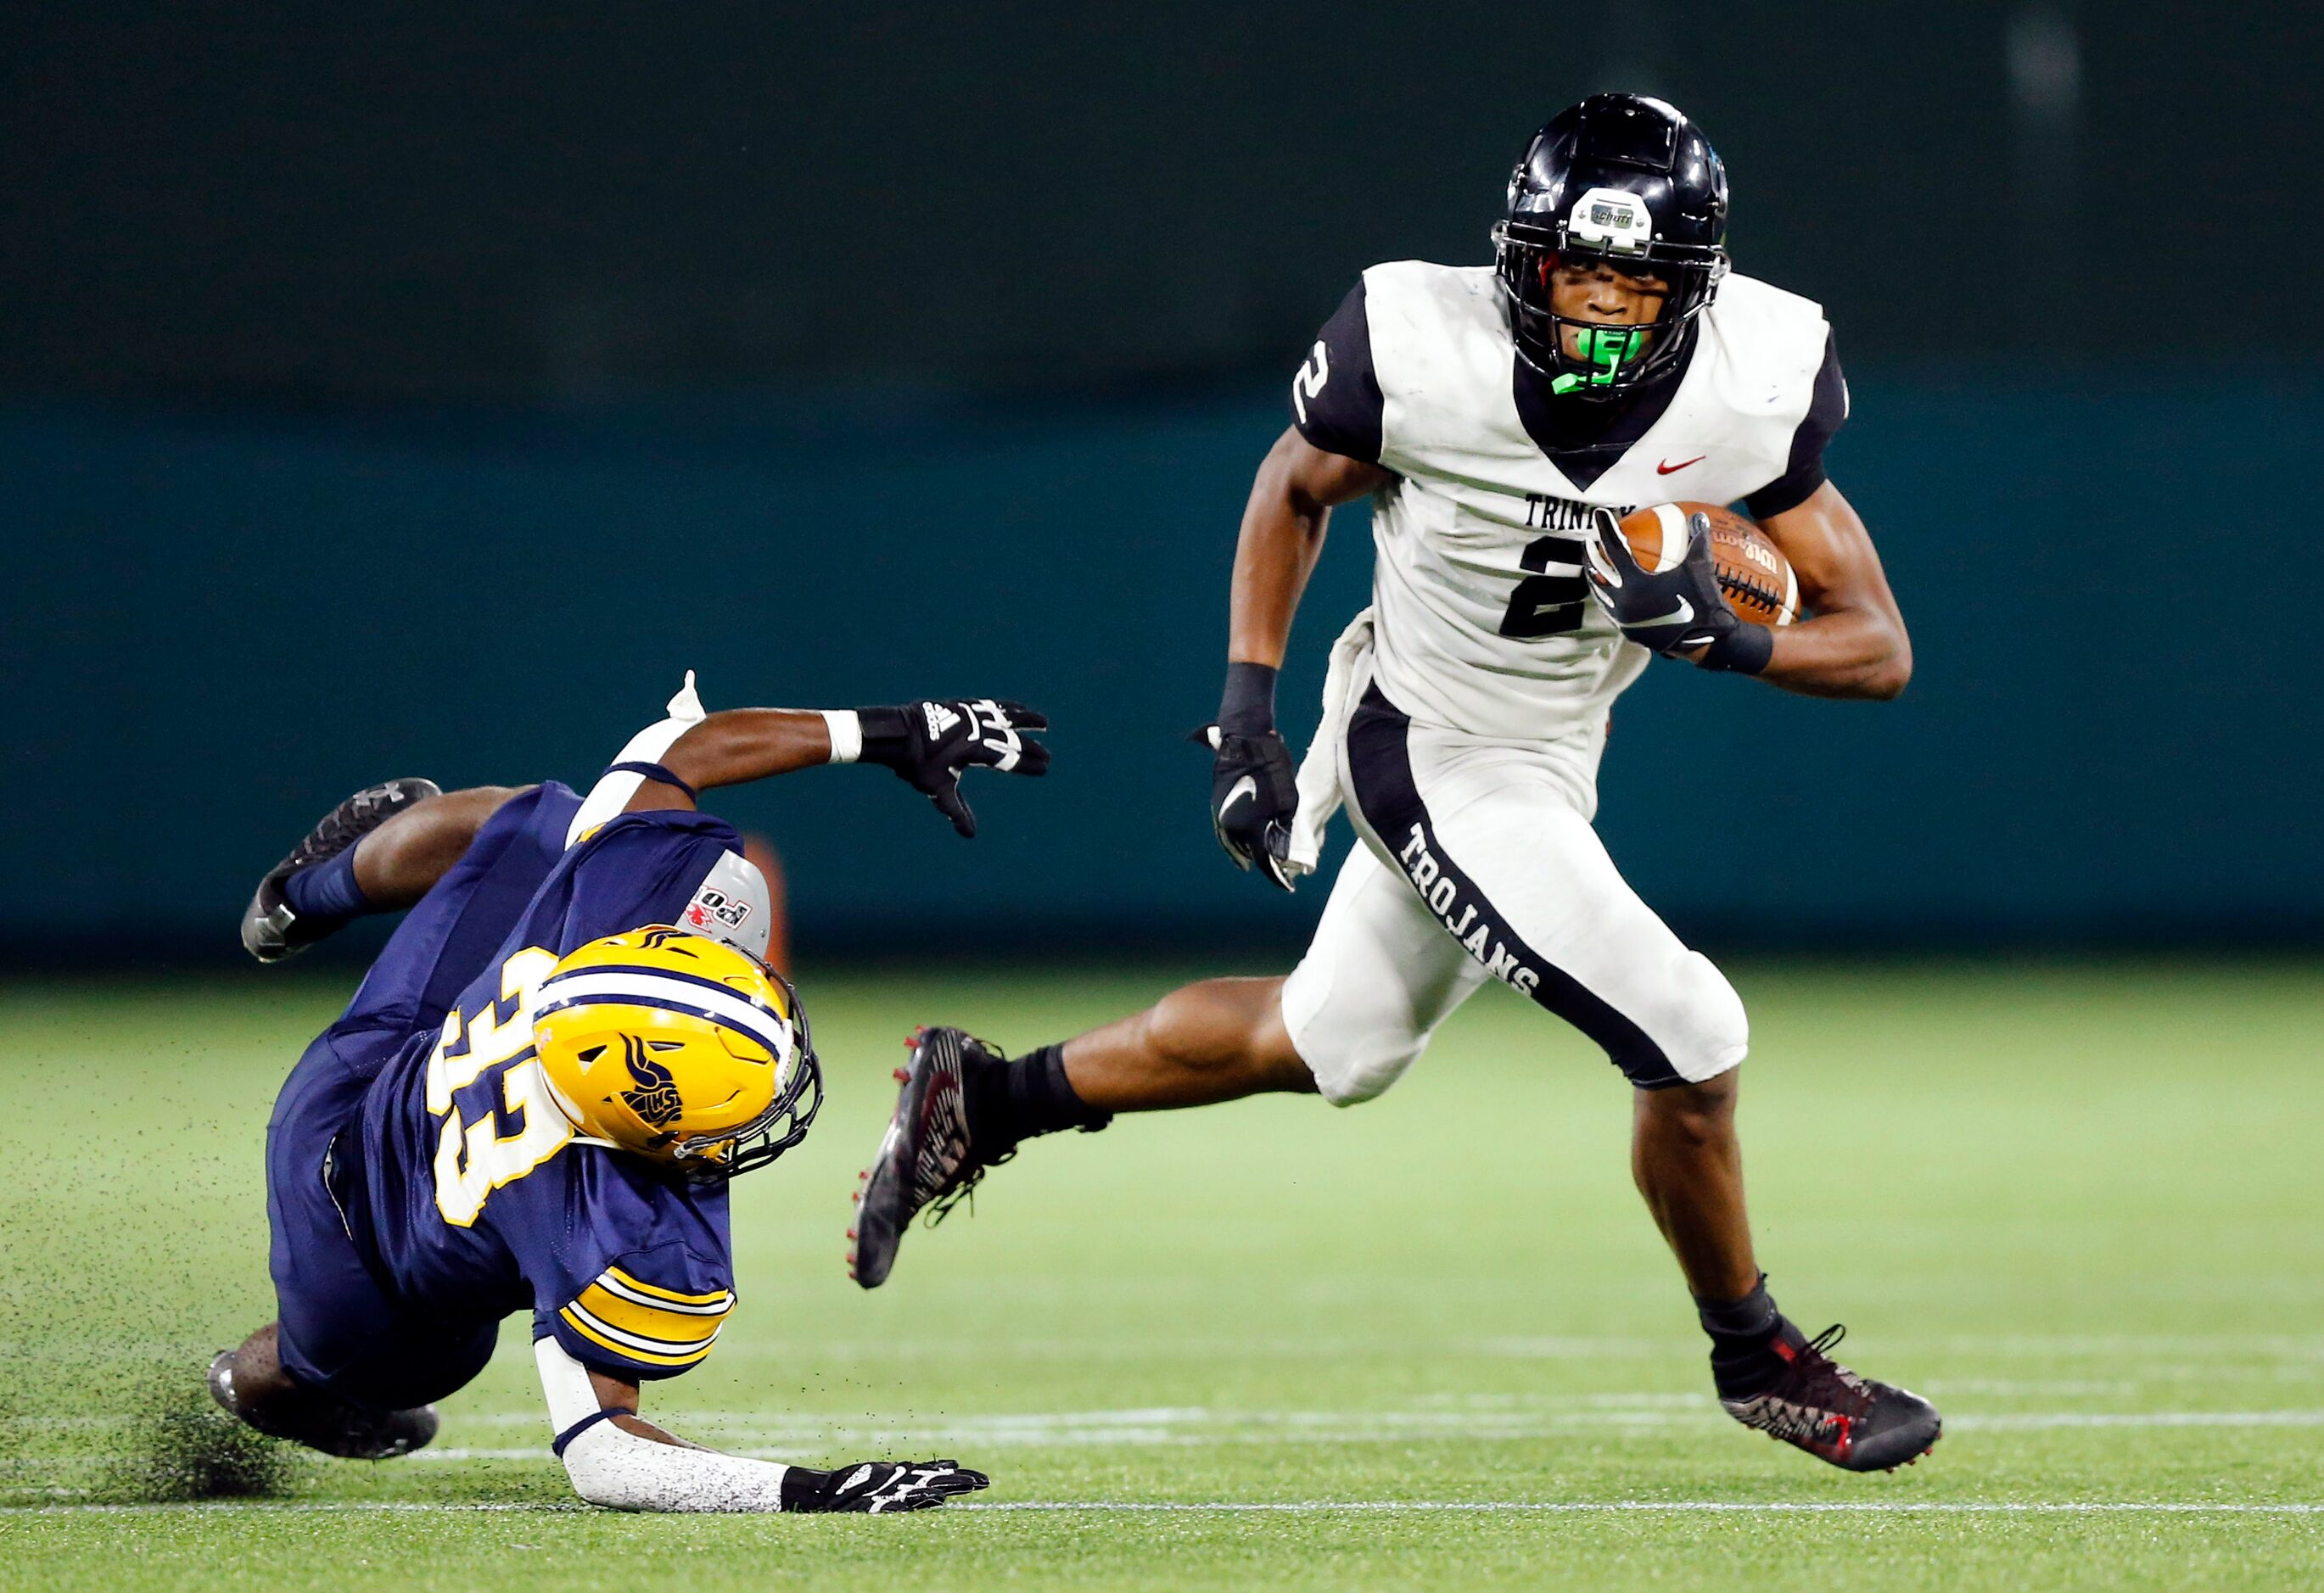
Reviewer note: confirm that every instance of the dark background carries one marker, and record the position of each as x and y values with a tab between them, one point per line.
421	391
517	203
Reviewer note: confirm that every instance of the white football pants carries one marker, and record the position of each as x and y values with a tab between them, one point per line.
1477	864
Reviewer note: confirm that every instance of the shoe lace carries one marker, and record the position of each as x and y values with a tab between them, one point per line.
1817	1381
962	1189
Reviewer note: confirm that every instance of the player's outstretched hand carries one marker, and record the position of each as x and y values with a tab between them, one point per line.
929	745
1666	612
879	1487
1253	797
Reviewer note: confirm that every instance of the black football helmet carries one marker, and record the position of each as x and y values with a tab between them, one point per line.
1630	182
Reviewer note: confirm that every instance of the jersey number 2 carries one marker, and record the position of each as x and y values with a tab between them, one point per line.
1547	605
1309	382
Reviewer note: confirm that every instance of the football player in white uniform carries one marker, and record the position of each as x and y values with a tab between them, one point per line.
1500	417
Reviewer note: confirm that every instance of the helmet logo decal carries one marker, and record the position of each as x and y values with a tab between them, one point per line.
1609	219
655	1100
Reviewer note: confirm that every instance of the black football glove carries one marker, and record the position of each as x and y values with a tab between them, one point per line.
878	1487
1678	609
1253	796
929	744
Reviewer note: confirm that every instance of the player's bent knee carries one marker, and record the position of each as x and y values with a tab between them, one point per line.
1353	1025
1702	1029
476	804
1351	1069
1354	1050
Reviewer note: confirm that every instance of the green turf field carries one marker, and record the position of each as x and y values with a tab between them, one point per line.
1429	1342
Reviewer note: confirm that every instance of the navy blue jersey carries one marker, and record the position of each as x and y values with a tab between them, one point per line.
474	1199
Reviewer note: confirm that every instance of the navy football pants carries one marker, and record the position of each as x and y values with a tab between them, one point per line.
340	1329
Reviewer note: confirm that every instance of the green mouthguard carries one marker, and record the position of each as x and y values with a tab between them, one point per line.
1609	347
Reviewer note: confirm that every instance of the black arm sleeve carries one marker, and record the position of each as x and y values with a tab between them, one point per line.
1335	398
1805	472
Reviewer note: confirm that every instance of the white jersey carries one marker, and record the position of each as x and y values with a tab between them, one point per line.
1483	625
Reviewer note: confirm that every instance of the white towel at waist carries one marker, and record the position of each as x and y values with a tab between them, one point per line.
1319	771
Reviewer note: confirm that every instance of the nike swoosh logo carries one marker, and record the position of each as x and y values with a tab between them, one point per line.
1666	469
1248	787
1677	616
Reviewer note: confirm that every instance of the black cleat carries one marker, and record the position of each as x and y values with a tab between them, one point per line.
926	1161
324	1421
271	931
1817	1404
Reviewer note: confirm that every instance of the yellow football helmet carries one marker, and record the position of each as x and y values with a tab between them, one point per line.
670	1044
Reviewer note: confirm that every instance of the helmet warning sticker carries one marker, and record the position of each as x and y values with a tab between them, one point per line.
712	909
732	905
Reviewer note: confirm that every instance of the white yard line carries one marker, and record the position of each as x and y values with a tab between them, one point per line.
2281	1347
2036	1420
2286	1347
1197	1427
1299	1507
1073	1429
1678	1508
2145	1346
287	1508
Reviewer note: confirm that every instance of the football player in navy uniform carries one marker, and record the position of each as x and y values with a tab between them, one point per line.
536	1100
1501	418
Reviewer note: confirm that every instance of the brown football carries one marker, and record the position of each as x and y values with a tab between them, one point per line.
1756	579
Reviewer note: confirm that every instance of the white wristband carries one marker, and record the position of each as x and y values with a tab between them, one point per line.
846	729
